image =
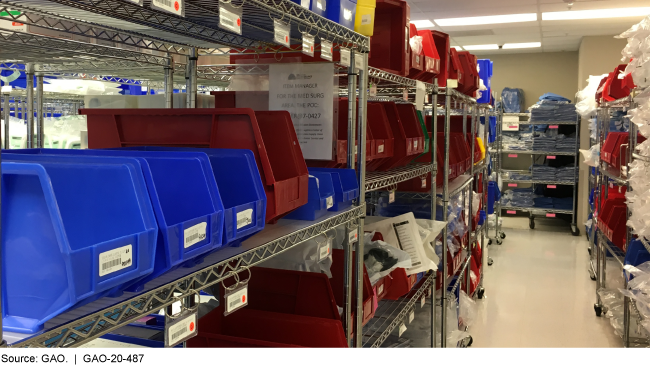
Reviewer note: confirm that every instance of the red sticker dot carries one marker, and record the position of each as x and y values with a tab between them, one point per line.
328	250
191	326
176	6
311	48
238	22
243	298
286	38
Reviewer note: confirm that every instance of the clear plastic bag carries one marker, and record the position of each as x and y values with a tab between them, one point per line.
416	44
305	257
374	268
467	310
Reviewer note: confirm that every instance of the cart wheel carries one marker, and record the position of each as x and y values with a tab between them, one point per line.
598	309
480	292
589	251
490	261
575	231
531	223
499	241
592	276
471	340
489	241
502	235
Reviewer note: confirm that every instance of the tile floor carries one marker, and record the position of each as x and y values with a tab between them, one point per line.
538	292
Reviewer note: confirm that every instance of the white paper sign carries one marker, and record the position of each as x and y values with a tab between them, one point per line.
326	50
281	33
422	301
345	57
181	330
358	62
402	329
308	42
115	260
420	91
172	6
306	90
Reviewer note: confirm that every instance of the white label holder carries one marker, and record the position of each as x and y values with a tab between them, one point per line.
230	17
281	33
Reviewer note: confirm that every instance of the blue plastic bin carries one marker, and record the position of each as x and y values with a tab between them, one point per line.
346	187
186	201
318	7
321	198
73	228
636	254
156	328
485	73
493	195
240	187
342	12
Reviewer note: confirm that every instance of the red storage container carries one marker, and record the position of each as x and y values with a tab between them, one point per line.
255	100
404	139
601	88
338	283
453	265
474	280
616	88
431	57
342	137
398	284
469	82
441	41
412	127
268	134
389	45
380	289
285	309
416	63
456	69
381	131
455	123
611	143
613	152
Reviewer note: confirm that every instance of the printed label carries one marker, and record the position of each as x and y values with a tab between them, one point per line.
281	33
512	155
115	260
345	57
415	144
353	236
244	218
380	149
326	50
423	300
172	6
513	126
305	3
402	329
405	94
391	196
358	62
380	290
373	90
366	19
511	212
182	330
230	18
329	202
553	126
411	316
550	157
424	183
195	234
551	186
550	215
512	184
321	4
236	299
324	251
308	42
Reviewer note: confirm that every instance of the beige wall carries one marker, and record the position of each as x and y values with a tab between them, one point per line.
536	74
597	56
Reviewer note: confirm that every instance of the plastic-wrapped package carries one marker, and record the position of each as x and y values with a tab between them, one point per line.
467	310
591	156
416	44
513	100
587	104
377	268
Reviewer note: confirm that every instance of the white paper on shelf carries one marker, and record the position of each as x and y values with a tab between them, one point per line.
409	240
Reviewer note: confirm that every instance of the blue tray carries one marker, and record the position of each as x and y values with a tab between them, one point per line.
186	201
240	186
342	12
321	198
346	187
159	325
73	228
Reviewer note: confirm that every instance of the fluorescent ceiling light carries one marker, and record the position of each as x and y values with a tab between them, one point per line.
458	48
522	45
423	23
596	14
479	47
492	19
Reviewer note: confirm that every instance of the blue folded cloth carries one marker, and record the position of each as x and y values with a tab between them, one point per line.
554	97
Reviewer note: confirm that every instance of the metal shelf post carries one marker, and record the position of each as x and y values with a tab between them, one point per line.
29	116
445	215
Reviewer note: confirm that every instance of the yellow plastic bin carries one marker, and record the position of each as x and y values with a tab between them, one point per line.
481	146
364	22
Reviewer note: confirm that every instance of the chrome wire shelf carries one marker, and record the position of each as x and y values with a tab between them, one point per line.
79	326
540	181
379	180
531	152
391	314
617	253
613	174
548	123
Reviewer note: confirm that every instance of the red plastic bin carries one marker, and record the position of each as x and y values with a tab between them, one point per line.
268	134
412	127
473	283
431	57
441	41
398	284
616	88
389	45
381	130
416	62
337	283
456	69
255	100
404	138
610	145
470	77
